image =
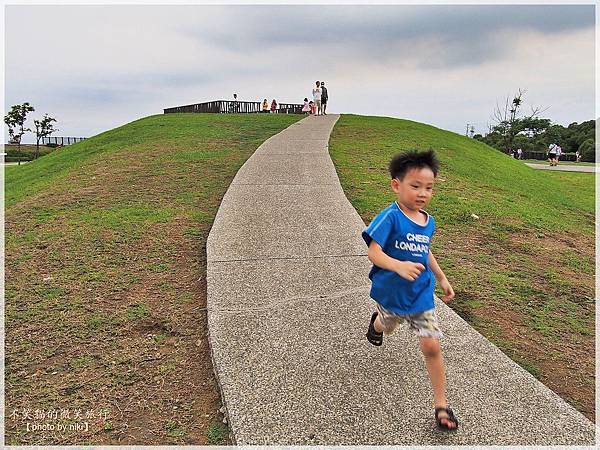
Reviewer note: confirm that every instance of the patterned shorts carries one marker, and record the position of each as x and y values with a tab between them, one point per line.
423	324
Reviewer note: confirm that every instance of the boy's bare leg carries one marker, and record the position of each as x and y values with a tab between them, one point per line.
435	366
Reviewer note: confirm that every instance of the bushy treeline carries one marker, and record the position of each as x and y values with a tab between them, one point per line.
535	135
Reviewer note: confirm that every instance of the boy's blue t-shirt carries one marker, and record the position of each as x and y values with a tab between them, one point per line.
401	238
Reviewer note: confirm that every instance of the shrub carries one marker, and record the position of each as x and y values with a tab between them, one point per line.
587	150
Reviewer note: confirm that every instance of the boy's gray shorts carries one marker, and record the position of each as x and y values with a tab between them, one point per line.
423	324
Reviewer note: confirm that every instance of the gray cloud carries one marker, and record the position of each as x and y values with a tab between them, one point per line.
468	34
445	65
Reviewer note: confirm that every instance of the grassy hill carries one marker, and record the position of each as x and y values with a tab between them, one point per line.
105	266
523	271
105	279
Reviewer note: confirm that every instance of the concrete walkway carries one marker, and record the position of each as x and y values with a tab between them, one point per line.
563	167
288	308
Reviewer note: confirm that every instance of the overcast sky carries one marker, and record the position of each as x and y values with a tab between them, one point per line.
94	68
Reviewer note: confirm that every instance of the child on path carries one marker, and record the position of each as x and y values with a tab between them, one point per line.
313	107
404	267
306	108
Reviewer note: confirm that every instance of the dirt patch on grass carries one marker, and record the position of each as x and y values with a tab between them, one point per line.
531	294
123	344
106	328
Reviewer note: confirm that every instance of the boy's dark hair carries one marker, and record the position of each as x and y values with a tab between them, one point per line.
413	159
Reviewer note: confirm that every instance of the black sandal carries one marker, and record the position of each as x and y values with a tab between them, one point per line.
451	418
373	336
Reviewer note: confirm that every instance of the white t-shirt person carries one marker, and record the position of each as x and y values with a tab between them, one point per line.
317	94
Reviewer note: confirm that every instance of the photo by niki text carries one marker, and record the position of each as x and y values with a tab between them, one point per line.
58	419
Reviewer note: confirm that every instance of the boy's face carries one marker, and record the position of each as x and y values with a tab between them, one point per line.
416	188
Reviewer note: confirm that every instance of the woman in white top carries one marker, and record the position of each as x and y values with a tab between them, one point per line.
558	154
317	97
552	154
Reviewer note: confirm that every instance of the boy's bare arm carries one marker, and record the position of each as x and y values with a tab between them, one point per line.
441	278
406	269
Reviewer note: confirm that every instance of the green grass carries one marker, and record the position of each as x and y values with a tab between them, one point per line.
27	152
217	433
474	178
160	338
196	138
174	430
137	311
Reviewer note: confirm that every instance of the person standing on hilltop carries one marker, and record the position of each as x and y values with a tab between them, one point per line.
324	98
317	92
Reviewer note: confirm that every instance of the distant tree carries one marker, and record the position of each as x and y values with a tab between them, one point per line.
555	134
530	132
579	133
15	120
43	128
507	123
533	127
523	142
493	139
571	140
587	150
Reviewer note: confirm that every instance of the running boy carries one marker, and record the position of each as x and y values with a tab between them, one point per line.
403	269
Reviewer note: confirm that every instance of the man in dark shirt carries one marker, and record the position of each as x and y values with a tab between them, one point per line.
324	98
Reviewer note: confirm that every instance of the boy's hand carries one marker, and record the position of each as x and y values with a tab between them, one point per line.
448	291
409	270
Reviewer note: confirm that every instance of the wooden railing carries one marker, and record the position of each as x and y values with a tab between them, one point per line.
230	106
61	140
290	108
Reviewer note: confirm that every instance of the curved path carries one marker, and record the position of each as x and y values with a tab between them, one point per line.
288	306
